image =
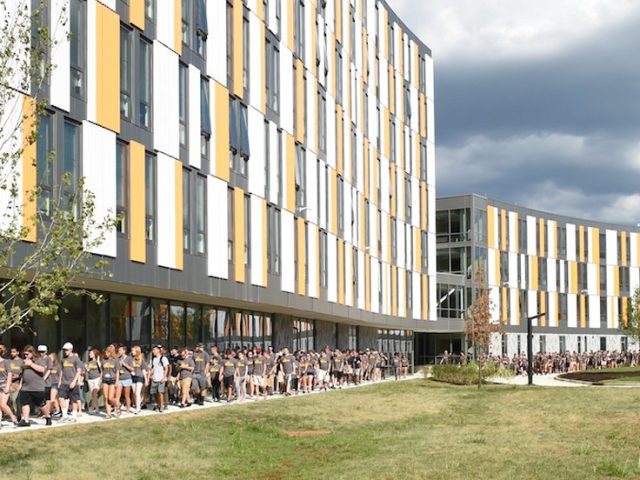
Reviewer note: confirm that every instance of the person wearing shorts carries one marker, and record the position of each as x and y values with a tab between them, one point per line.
5	388
160	370
337	368
287	366
139	377
200	380
324	366
228	373
240	377
94	379
69	382
110	381
53	381
126	384
34	369
258	375
174	380
186	366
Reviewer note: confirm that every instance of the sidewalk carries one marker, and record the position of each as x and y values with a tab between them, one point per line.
540	380
85	418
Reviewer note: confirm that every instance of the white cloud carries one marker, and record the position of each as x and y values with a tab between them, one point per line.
493	30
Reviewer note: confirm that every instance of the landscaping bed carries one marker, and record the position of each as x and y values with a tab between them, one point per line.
598	377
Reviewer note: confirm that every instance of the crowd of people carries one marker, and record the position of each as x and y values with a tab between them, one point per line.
548	363
116	381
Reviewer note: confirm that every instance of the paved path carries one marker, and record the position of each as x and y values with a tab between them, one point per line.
541	380
84	419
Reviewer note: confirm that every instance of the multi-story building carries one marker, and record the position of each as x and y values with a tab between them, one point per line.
580	273
272	163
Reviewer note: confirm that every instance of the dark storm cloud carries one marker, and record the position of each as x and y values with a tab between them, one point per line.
566	126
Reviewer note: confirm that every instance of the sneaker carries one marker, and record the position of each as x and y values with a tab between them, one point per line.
47	421
23	423
181	405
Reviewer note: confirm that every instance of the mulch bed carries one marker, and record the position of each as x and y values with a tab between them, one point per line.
596	377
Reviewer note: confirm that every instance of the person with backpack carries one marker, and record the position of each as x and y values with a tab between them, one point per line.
160	370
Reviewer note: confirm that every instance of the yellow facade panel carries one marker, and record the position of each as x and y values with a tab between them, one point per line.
339	140
504	299
583	314
221	132
542	302
107	68
365	169
137	215
595	241
28	168
136	13
573	277
265	267
423	206
238	235
290	5
616	280
338	18
533	280
301	260
623	249
425	297
581	245
367	283
423	114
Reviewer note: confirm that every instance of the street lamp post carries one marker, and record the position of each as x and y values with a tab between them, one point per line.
530	347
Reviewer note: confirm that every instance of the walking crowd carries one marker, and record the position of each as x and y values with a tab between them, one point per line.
115	382
547	363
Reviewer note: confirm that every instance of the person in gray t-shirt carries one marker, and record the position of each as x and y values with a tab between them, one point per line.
34	369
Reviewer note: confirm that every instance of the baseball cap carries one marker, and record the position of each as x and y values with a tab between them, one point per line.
42	348
67	346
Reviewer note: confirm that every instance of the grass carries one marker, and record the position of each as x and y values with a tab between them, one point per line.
417	429
623	380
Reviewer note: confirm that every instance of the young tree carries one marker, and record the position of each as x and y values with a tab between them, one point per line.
632	324
45	237
478	324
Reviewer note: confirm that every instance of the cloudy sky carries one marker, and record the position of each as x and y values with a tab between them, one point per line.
537	103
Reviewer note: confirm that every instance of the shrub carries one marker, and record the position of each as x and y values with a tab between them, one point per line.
465	374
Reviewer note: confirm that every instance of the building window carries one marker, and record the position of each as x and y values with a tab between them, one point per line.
202	28
299	29
409	290
70	165
624	344
424	250
125	73
603	344
423	75
394	239
407	199
150	199
423	161
340	198
303	335
238	137
230	225
149	9
245	55
144	84
186	209
543	344
323	259
182	92
273	240
201	199
229	43
122	171
273	76
247	231
338	75
353	337
44	164
205	119
77	44
186	24
301	178
392	139
563	344
391	45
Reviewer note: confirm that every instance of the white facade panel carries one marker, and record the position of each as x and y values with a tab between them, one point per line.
217	41
532	228
361	280
594	312
167	211
99	169
433	311
257	245
513	269
551	275
256	170
312	187
256	59
286	89
312	260
634	238
416	295
195	159
571	242
165	27
532	306
402	292
60	77
287	251
348	275
332	267
375	286
551	239
612	247
91	73
572	310
217	208
592	278
166	126
513	232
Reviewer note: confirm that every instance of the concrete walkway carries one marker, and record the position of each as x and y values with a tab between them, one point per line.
85	418
540	380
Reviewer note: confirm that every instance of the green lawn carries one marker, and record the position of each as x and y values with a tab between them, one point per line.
417	429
